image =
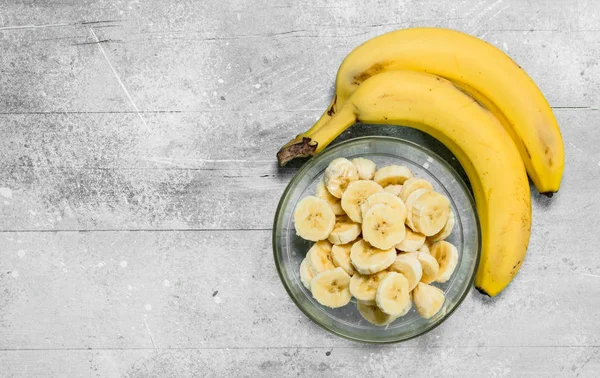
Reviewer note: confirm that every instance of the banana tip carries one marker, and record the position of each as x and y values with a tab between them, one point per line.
482	291
304	148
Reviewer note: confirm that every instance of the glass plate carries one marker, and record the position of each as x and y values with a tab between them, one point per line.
289	249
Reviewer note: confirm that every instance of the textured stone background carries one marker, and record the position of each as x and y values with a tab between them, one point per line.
138	185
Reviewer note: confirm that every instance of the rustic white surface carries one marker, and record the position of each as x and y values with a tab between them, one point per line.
138	184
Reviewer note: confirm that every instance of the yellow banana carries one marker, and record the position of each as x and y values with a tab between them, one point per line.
481	70
485	150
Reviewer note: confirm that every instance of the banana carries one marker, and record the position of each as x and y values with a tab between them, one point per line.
368	259
412	242
373	314
430	212
392	295
313	218
446	231
477	139
413	184
366	168
410	200
344	231
410	267
334	202
447	257
383	227
429	265
394	189
364	287
354	196
481	70
340	255
425	247
319	257
306	274
392	175
338	174
428	300
384	198
331	288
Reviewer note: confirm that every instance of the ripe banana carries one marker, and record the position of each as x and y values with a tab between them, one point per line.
344	231
354	196
430	212
364	286
338	174
319	257
477	139
479	69
446	255
384	198
409	206
366	168
373	314
413	184
412	242
392	295
428	300
331	288
410	267
340	255
368	259
429	265
334	202
306	274
383	227
313	218
394	189
392	175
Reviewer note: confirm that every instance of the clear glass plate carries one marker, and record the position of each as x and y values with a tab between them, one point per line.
289	249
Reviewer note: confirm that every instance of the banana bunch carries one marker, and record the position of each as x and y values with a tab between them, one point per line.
373	245
474	99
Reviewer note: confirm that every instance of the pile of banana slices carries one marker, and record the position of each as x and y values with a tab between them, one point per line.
379	237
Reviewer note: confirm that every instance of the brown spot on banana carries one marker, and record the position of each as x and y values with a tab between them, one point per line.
371	71
331	110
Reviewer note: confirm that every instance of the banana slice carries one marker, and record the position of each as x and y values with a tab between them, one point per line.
305	273
354	196
373	314
409	205
365	167
340	255
319	257
392	295
384	198
335	203
313	218
383	227
364	286
332	288
410	267
394	189
428	300
412	241
424	248
446	255
344	231
430	267
338	174
430	212
446	231
392	175
413	184
368	259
